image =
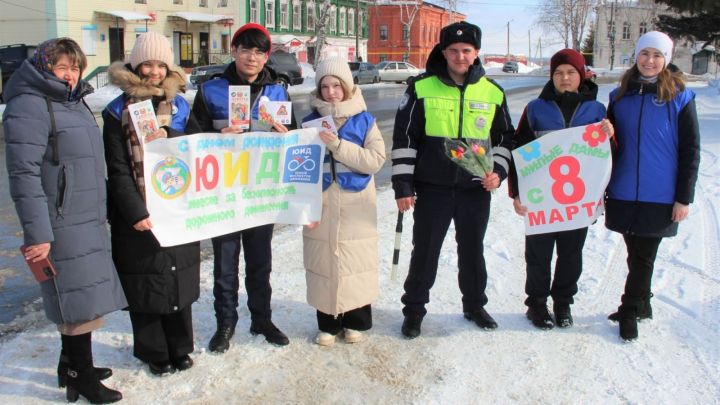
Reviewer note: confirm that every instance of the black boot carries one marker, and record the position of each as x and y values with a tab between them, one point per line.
628	323
481	318
86	383
81	376
563	316
411	326
644	310
220	341
540	317
270	331
102	372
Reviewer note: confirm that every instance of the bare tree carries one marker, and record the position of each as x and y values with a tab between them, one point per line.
452	7
320	27
568	18
408	11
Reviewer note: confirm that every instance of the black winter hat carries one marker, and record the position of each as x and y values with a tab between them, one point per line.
460	32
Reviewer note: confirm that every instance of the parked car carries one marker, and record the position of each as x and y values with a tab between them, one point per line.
364	72
510	66
11	57
590	74
398	72
284	64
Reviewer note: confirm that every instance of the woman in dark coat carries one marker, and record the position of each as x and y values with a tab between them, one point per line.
161	283
56	171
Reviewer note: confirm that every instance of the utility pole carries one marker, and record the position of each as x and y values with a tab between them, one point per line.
357	30
508	39
612	34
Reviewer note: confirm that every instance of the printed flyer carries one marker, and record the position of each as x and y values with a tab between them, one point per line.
562	178
144	119
322	123
205	185
239	106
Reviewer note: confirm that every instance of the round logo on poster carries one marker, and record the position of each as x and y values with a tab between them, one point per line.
170	178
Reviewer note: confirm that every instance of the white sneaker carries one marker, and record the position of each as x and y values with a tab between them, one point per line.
353	336
325	339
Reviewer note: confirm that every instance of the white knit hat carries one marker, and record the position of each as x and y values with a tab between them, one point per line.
657	40
337	67
151	46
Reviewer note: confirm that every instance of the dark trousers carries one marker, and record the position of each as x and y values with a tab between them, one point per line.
258	264
641	262
469	209
162	337
357	319
568	266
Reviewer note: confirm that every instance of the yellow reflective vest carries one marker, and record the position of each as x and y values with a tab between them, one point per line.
450	113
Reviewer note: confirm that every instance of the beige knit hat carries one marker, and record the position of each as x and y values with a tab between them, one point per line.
151	46
337	67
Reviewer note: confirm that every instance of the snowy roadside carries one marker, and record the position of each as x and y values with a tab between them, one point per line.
676	359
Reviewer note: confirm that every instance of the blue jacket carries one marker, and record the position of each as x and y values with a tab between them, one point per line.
656	160
551	112
354	130
180	111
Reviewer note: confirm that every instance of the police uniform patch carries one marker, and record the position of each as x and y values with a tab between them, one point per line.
404	101
479	106
480	123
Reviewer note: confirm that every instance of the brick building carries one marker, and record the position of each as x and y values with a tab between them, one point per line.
387	37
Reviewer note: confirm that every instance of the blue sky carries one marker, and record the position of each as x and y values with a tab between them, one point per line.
492	17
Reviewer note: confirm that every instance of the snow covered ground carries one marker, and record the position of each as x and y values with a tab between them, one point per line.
676	359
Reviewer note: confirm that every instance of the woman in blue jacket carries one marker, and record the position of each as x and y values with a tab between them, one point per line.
654	170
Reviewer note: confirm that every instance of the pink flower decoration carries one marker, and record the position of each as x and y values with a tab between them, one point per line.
594	135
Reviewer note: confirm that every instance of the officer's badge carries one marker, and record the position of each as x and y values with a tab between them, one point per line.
459	32
403	101
480	123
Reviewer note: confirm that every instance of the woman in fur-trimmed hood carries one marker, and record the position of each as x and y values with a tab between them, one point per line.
160	283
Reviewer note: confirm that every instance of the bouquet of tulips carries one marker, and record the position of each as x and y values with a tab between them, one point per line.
473	156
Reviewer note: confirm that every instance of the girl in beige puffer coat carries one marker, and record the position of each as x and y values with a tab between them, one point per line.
340	251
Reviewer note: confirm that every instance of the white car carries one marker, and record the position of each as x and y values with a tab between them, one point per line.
397	72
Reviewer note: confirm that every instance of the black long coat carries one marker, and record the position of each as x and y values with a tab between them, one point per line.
158	280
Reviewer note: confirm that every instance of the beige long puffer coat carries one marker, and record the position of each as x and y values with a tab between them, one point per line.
340	254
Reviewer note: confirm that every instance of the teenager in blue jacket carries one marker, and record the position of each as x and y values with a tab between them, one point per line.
567	100
655	167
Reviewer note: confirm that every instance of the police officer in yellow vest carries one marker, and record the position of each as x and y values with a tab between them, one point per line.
453	99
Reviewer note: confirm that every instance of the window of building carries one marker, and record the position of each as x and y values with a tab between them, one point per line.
332	19
270	13
643	28
626	30
406	57
141	1
383	33
254	11
202	3
310	16
297	16
383	57
351	21
343	19
406	32
89	36
178	2
222	3
284	9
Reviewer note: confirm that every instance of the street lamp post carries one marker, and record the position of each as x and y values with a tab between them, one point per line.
357	30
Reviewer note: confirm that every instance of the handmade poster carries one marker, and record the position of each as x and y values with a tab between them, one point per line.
562	178
239	106
205	185
144	119
322	123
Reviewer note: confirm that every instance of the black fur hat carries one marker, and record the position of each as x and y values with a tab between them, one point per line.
460	32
